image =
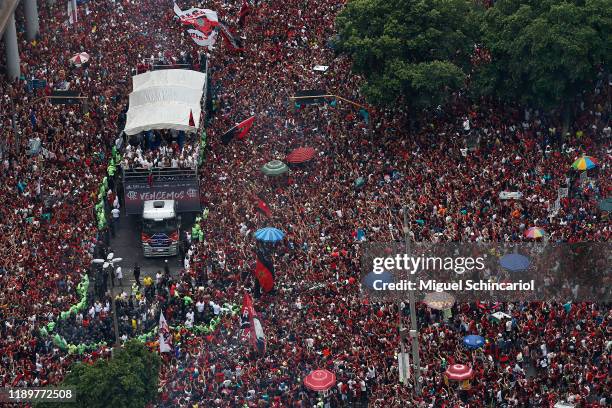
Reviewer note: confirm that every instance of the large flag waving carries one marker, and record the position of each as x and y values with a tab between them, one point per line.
165	337
203	40
264	272
203	22
253	328
240	130
230	39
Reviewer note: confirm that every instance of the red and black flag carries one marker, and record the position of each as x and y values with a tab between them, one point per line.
240	130
191	121
264	272
232	41
262	207
244	11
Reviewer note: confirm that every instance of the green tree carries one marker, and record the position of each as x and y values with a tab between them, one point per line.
129	379
544	52
415	49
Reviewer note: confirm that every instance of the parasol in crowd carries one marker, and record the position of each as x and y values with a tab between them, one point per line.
500	315
370	278
439	300
473	341
459	372
301	155
359	182
585	163
269	234
514	262
320	380
274	168
534	232
80	58
605	204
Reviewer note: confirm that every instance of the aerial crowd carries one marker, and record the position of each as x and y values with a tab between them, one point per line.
447	167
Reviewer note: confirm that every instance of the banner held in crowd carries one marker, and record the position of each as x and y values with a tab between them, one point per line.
165	337
264	271
240	130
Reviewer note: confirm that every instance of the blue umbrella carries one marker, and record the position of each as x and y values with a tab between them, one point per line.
473	341
269	234
370	278
514	262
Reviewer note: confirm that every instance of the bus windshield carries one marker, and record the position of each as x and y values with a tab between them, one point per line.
167	226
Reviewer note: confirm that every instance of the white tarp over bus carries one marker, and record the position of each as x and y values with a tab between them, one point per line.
164	100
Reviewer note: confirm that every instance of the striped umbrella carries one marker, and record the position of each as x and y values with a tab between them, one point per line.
585	163
301	155
459	372
320	380
269	234
274	168
534	232
439	300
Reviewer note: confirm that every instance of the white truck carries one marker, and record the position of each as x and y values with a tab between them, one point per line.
160	228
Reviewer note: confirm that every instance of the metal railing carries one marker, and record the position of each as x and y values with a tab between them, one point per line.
158	175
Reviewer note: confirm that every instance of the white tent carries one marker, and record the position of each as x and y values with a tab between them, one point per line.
165	100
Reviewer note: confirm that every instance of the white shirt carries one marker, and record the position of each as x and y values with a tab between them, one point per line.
216	308
119	273
189	321
115	212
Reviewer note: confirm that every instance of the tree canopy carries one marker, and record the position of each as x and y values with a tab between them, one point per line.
544	52
417	49
129	379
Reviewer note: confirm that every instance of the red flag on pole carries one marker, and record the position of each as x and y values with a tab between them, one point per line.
191	121
264	272
244	11
245	126
262	207
240	130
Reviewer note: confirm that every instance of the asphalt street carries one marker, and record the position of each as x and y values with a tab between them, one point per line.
126	244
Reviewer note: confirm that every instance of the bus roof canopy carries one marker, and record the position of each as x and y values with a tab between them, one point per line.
165	99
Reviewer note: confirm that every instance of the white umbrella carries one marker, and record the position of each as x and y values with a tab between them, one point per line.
80	58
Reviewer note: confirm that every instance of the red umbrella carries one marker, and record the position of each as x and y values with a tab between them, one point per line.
301	155
320	380
459	372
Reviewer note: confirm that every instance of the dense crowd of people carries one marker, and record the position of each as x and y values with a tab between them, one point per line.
448	167
155	150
